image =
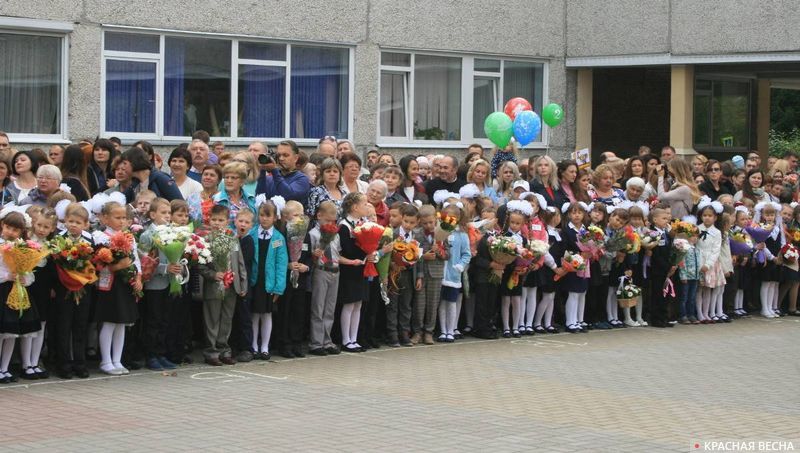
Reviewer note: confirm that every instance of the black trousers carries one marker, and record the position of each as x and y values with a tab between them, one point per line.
369	310
71	327
242	331
177	325
157	315
290	315
485	308
659	306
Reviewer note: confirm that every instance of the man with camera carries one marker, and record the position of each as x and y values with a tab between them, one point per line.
283	179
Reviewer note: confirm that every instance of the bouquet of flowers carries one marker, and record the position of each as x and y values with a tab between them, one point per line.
682	228
447	224
73	260
740	242
792	235
760	232
120	245
383	264
327	233
21	257
571	262
591	240
680	247
368	236
503	250
650	239
197	250
789	254
171	240
624	240
538	248
221	243
524	260
295	236
404	255
627	293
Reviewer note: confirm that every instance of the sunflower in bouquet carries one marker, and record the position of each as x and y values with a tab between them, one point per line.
682	228
447	224
404	255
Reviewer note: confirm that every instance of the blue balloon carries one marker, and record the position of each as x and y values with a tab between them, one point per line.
527	126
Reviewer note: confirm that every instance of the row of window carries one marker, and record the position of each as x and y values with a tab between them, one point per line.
165	87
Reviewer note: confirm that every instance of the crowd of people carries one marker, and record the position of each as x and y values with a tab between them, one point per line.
487	245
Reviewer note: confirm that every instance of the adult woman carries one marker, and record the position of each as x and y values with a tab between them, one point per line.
73	172
144	174
48	181
387	159
567	171
634	188
99	172
411	189
651	163
179	162
234	175
604	190
545	181
376	194
617	167
328	186
249	159
210	179
123	176
506	175
351	173
752	188
634	167
682	194
477	174
737	179
699	164
5	180
463	169
509	153
23	167
714	186
580	188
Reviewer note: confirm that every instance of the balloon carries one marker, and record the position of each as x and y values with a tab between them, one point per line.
498	128
553	114
516	105
527	126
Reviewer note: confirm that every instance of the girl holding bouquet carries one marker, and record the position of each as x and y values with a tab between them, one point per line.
621	265
353	285
517	215
543	320
709	243
116	300
597	294
12	325
458	257
768	273
741	268
576	285
536	234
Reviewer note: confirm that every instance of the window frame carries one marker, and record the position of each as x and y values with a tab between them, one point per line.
714	147
158	138
60	30
468	76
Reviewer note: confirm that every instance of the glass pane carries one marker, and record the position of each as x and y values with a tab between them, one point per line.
731	106
393	104
130	96
129	42
484	102
487	65
702	118
319	95
523	79
437	98
262	92
395	59
30	84
197	86
262	51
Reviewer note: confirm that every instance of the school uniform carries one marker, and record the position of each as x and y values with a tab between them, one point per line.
115	303
157	301
432	273
242	332
352	284
12	323
516	290
660	266
325	287
398	312
292	309
485	292
572	282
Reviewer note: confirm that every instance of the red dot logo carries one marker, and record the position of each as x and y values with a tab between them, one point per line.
696	445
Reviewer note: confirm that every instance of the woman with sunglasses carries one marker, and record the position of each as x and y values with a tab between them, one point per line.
714	186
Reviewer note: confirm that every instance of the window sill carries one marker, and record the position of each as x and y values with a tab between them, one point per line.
444	145
37	139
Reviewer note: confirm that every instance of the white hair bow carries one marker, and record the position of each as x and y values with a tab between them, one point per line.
457	204
706	202
741	208
61	209
279	203
469	191
65	188
586	207
522	207
440	196
12	207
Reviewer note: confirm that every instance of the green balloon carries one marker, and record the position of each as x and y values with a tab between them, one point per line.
499	128
553	114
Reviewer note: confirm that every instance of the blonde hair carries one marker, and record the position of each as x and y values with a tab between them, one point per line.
500	185
476	164
237	168
682	174
144	195
77	210
327	207
293	207
250	161
552	180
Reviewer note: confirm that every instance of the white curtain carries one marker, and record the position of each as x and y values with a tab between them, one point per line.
437	95
393	104
30	79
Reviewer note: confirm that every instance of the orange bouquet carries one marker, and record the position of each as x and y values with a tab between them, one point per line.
21	257
73	260
447	224
571	262
404	255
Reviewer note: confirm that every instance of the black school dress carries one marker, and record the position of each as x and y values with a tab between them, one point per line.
573	283
770	272
262	302
117	305
517	290
352	284
45	278
10	320
545	274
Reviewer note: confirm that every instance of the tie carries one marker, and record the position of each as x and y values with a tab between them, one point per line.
265	234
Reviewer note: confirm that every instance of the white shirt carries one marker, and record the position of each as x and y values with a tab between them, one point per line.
407	236
265	234
517	237
190	187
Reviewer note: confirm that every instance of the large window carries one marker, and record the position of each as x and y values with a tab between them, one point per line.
722	114
447	98
31	85
167	87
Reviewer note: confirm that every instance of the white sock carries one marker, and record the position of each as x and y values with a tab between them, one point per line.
347	314
530	305
256	321
516	311
458	310
505	303
547	302
571	309
452	316
442	310
738	300
717	296
25	344
106	335
549	298
355	319
766	300
775	291
118	344
38	342
611	304
639	309
6	353
266	331
582	306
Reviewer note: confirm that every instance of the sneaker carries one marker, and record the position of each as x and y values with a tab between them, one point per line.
154	364
244	357
166	363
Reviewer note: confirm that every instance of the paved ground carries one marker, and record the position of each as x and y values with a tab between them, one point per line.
635	389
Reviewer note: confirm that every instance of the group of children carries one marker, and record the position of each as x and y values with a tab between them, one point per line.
323	295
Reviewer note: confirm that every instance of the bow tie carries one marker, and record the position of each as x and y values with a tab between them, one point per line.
704	235
265	234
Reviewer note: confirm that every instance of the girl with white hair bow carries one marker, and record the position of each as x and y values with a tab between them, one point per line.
709	244
768	273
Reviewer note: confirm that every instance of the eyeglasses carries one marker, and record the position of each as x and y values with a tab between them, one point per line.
715	169
45	178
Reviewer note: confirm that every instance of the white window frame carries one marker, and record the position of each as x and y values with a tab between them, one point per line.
158	138
468	75
55	29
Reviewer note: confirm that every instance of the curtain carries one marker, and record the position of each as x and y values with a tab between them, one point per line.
319	92
483	103
130	96
174	77
393	104
437	98
522	79
261	101
30	84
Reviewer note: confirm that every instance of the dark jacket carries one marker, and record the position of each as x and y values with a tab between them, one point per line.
556	200
434	185
96	178
160	183
291	186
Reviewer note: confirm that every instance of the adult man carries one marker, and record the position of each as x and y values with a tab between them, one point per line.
199	151
5	146
56	155
372	158
477	148
257	148
750	164
644	150
145	176
285	180
792	159
667	153
753	155
206	138
447	177
327	148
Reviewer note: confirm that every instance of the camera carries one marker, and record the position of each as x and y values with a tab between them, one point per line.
264	159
